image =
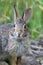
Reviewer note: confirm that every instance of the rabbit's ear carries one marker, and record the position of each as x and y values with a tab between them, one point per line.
15	14
27	14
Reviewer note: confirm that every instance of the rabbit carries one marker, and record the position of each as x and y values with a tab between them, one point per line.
18	40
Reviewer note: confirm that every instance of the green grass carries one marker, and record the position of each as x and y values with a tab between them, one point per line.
36	22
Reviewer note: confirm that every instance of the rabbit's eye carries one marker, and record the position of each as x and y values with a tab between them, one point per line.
14	25
24	26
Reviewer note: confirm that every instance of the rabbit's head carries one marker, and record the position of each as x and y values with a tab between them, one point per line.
20	22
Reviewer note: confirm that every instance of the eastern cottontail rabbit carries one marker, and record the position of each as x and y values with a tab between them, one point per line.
18	41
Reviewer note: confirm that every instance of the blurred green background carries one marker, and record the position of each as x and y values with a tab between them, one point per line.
35	23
